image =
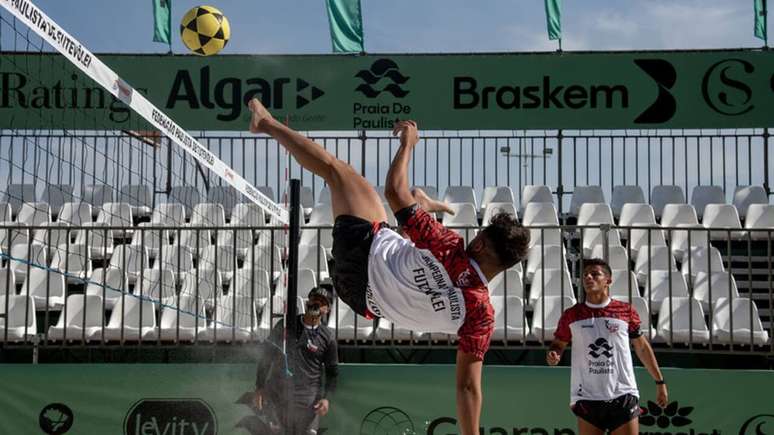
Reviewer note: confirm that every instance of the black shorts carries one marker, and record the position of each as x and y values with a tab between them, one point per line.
352	238
608	415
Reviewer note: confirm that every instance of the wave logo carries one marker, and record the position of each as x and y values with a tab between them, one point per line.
382	69
762	424
600	348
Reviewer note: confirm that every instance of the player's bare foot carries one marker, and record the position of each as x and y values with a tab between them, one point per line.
261	116
430	205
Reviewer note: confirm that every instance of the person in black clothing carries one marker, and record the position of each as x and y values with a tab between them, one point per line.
314	352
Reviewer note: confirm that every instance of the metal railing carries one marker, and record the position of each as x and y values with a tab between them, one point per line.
674	286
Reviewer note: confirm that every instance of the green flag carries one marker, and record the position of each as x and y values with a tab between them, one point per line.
346	23
554	19
760	20
162	21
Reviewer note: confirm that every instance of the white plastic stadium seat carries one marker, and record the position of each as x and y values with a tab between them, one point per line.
251	283
651	259
464	216
56	195
557	283
97	238
117	214
624	282
85	317
151	238
324	197
591	213
131	259
267	191
75	213
192	239
538	213
170	214
683	240
46	287
548	256
18	194
5	212
139	197
641	306
703	195
155	285
348	325
132	319
508	283
235	319
34	214
720	284
96	195
502	194
220	258
175	258
593	237
321	216
7	282
245	215
461	194
747	325
546	316
536	194
226	196
744	196
19	321
268	258
722	216
313	257
661	284
108	284
188	196
676	214
642	238
183	319
206	285
635	214
760	217
618	257
27	256
208	215
510	319
660	196
388	331
54	235
626	195
687	321
584	194
706	260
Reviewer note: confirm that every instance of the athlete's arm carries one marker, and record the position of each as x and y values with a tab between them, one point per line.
648	358
468	392
555	351
397	189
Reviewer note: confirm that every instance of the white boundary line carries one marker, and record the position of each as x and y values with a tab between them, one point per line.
80	56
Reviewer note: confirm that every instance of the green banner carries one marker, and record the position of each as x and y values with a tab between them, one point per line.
701	89
194	399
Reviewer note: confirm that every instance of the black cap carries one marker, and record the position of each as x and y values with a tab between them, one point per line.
321	292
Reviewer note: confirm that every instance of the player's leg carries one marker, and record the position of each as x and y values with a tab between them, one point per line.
351	194
632	427
586	428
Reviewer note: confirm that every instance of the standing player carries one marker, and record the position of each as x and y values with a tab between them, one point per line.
432	282
603	391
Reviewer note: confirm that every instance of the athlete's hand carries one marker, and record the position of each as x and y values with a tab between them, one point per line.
408	131
321	407
258	400
553	357
662	396
261	116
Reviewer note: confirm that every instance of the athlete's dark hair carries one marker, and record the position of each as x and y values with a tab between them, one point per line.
508	238
587	262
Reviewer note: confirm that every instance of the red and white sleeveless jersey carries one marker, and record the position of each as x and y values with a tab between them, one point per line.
601	356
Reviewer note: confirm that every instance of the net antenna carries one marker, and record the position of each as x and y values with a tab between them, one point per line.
74	51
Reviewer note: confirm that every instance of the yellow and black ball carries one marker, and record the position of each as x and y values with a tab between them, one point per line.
205	30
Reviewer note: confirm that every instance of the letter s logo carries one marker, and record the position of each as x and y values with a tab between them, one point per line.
721	100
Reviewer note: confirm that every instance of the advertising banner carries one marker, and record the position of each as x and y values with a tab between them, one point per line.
198	399
619	90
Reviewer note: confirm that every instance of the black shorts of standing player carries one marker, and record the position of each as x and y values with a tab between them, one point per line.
608	415
352	238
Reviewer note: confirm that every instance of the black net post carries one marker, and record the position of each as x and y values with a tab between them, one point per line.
291	325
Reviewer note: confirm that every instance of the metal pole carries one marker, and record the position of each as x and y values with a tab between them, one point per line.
291	323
